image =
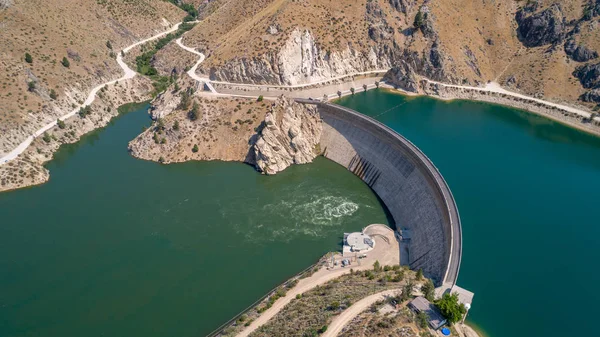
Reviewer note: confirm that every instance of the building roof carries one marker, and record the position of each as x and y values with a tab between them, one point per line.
359	241
435	318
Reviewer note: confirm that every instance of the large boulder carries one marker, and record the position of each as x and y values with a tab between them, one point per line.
402	5
589	75
578	52
402	76
538	29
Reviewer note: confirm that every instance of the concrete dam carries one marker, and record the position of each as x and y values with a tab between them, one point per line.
410	186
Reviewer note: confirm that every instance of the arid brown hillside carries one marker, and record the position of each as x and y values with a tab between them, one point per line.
534	47
88	33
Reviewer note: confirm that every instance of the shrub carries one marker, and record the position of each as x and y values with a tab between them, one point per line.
65	62
260	98
193	114
108	45
161	159
419	274
84	111
53	94
60	123
47	137
377	266
31	86
176	125
28	58
419	20
195	148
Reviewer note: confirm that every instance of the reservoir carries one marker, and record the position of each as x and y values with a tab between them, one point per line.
115	246
527	190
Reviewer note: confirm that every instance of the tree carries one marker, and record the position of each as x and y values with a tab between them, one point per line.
419	20
47	137
376	266
260	98
176	125
160	124
84	111
28	58
407	291
422	319
419	274
53	94
65	62
193	114
60	123
428	290
195	148
108	45
352	90
451	308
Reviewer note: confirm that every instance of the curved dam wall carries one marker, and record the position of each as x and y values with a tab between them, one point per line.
411	187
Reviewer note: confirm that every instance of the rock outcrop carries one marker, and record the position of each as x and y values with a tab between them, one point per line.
289	135
301	61
403	77
592	96
578	52
403	6
538	29
589	75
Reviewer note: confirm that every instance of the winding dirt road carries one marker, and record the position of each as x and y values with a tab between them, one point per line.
128	74
339	322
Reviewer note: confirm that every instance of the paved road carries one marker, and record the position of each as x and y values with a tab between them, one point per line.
339	322
128	73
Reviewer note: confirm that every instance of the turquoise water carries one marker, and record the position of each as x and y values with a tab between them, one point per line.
528	191
115	246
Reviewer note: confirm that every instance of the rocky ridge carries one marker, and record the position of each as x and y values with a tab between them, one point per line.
289	135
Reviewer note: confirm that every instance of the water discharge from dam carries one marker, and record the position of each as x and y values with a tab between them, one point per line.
116	246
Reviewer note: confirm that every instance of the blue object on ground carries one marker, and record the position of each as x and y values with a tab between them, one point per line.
445	331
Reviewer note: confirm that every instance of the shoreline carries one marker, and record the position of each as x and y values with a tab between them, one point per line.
531	108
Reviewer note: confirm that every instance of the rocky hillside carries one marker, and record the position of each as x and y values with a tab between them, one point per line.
54	51
269	135
544	48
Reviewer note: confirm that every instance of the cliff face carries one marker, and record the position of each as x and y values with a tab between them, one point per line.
301	60
289	135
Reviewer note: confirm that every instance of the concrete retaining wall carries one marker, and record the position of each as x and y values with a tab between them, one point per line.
407	182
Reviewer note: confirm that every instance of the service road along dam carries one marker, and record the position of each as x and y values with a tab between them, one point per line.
410	186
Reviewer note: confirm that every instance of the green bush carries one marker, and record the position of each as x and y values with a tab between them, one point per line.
47	137
84	111
176	125
377	266
28	58
53	94
260	98
31	86
451	308
60	123
195	148
108	45
422	320
428	290
65	62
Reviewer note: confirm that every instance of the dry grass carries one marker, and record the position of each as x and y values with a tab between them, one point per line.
221	132
52	29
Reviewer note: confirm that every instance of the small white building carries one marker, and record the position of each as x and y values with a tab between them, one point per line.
357	242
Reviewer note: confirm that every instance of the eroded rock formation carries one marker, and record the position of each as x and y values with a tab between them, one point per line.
289	135
538	29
